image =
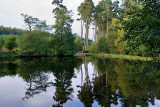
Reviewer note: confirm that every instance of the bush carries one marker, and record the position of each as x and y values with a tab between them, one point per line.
2	40
63	45
85	51
10	43
1	44
34	43
102	45
78	43
93	47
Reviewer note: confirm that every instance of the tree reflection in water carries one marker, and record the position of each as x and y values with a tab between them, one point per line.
63	72
85	93
114	82
35	75
133	83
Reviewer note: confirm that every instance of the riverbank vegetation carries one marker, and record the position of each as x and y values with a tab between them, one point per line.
126	28
120	56
129	28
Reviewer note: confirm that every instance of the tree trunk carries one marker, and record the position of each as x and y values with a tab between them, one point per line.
93	35
106	79
86	71
102	31
107	27
82	23
86	36
81	76
95	39
81	28
30	27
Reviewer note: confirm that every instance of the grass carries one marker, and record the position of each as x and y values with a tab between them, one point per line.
120	56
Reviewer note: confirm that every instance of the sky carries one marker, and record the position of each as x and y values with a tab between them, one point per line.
10	11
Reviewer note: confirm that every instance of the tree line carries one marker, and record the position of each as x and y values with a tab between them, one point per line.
9	30
131	27
37	40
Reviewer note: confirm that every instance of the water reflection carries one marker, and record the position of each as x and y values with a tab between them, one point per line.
133	83
63	72
107	82
85	93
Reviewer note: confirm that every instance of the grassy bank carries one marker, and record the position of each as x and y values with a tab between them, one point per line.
120	56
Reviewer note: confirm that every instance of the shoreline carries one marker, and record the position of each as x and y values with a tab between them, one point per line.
98	55
120	56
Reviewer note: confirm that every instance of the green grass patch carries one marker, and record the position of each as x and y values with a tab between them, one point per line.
120	56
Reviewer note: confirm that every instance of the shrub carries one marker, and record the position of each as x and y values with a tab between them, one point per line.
93	47
102	45
1	44
34	43
2	41
10	43
63	45
78	43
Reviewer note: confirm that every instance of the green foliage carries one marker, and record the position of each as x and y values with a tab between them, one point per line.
142	30
3	39
10	43
112	36
1	44
78	43
86	10
120	45
34	43
102	44
121	56
8	55
93	47
10	31
63	21
103	14
114	43
63	46
63	40
35	23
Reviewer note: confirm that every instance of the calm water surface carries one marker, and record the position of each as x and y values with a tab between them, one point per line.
77	82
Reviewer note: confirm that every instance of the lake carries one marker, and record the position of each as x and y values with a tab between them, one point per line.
78	82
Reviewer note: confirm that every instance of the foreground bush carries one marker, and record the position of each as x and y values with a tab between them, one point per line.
102	45
93	47
78	43
34	43
10	43
63	45
1	44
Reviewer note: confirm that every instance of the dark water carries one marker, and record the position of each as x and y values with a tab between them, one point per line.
75	82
